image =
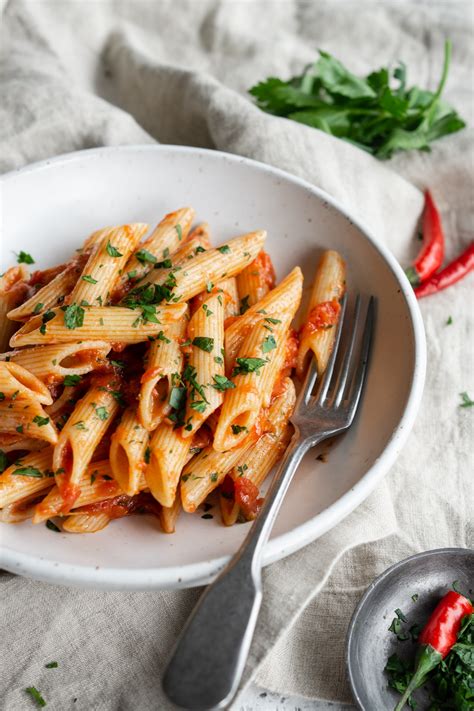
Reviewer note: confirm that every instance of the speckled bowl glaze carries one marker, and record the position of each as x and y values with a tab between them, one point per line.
48	210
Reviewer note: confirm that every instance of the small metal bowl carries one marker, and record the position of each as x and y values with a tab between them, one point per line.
428	575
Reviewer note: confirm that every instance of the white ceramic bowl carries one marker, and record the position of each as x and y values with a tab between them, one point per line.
48	210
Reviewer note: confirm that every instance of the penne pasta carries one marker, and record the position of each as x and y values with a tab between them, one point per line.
13	290
53	363
279	299
255	281
16	381
169	451
317	334
17	443
128	452
204	373
164	241
231	297
169	515
105	264
203	234
52	293
29	476
86	523
25	416
258	461
163	369
73	323
86	426
164	271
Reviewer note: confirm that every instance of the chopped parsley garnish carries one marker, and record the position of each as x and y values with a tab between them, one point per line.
268	344
198	405
449	321
161	337
40	421
147	455
28	471
101	412
165	264
199	249
51	665
35	695
112	251
73	316
270	319
242	469
218	359
214	476
24	258
179	231
466	400
71	380
19	429
237	429
248	365
80	425
47	316
144	256
38	308
415	597
3	461
222	383
118	363
207	310
204	343
225	249
2	396
400	615
177	398
244	304
209	287
89	279
189	376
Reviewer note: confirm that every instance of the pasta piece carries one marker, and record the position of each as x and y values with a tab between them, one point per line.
86	523
231	301
163	272
128	451
202	233
163	368
169	451
106	263
17	381
169	515
278	300
25	416
257	367
53	292
73	323
207	470
27	477
255	281
258	461
91	418
19	511
164	240
16	443
204	372
12	291
96	484
317	334
53	363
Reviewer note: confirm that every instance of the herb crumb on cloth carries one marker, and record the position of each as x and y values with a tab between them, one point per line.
368	112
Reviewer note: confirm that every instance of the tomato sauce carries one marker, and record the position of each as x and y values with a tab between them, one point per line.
322	317
263	264
124	505
150	374
246	496
202	438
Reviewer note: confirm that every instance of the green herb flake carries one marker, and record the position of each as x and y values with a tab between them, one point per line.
101	412
237	429
28	471
198	405
177	397
466	400
3	461
73	316
51	665
415	597
40	421
272	320
179	231
147	455
71	380
242	469
80	425
38	308
248	365
207	310
24	258
144	256
36	696
213	477
161	337
268	344
19	429
204	343
449	321
222	383
225	249
112	251
89	279
209	287
244	304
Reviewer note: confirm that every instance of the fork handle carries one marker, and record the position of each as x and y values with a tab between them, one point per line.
209	658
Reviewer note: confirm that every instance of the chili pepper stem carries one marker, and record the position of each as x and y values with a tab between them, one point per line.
412	276
427	660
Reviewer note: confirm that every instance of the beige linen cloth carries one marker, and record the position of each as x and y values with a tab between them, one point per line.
82	74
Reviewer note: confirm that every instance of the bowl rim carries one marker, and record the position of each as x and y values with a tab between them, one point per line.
352	635
195	574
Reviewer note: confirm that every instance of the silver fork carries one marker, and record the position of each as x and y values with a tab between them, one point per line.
209	658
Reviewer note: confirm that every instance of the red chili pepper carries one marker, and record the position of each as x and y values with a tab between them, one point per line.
453	272
431	255
437	638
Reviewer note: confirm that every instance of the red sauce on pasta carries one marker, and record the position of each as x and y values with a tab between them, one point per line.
246	496
124	505
150	374
263	264
322	317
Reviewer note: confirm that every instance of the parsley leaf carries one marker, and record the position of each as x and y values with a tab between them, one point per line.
198	405
204	343
222	383
101	412
248	365
466	400
112	251
51	665
378	112
24	258
3	461
36	696
144	256
225	249
244	304
28	471
73	316
179	230
177	398
40	421
237	429
71	380
88	279
268	344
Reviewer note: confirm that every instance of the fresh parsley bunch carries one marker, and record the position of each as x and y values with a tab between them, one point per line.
377	113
